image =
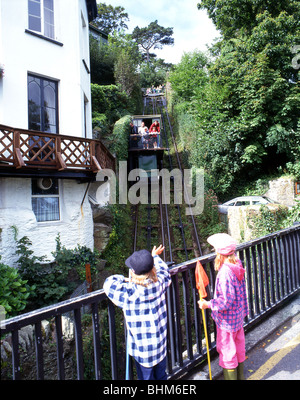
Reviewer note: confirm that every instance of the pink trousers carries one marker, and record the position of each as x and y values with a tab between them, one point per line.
231	348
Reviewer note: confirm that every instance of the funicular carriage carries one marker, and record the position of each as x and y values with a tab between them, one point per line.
145	148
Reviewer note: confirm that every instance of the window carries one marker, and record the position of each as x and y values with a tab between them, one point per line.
41	17
42	104
242	203
45	199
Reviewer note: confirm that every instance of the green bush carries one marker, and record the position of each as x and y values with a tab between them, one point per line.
269	220
120	242
120	138
101	127
110	101
14	291
53	281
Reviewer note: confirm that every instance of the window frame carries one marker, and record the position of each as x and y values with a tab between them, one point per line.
42	105
44	22
35	196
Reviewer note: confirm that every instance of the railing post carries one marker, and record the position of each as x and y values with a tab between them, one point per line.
60	348
39	352
78	341
61	165
95	166
18	159
15	355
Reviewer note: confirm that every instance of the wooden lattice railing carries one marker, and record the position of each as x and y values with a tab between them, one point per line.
21	148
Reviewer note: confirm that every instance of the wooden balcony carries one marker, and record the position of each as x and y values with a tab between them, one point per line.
30	153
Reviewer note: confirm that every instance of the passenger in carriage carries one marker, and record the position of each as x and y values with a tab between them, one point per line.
133	129
144	132
153	134
156	124
155	128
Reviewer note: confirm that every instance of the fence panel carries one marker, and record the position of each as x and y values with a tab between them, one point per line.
272	266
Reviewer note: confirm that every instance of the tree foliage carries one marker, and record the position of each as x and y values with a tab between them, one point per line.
246	102
153	36
111	18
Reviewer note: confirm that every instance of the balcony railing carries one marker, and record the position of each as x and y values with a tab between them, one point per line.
21	149
272	266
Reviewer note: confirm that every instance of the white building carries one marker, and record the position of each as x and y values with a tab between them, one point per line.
44	51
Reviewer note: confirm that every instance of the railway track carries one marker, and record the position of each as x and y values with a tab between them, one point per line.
166	223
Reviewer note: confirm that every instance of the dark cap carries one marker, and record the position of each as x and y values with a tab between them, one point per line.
140	261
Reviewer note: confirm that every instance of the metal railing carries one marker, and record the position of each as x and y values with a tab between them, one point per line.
272	266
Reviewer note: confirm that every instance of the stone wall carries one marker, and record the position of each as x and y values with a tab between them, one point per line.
239	221
282	190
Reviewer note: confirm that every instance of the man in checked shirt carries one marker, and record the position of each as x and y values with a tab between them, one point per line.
142	298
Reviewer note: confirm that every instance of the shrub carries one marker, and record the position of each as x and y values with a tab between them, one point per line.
109	100
14	291
53	281
268	220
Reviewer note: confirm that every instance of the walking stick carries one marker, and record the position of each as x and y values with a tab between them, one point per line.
127	360
206	339
201	282
127	354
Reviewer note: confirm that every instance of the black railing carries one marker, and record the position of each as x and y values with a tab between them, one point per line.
272	275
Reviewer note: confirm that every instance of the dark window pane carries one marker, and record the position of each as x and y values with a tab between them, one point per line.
34	104
35	24
40	186
34	8
42	104
48	4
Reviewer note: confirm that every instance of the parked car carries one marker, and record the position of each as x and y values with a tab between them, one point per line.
244	201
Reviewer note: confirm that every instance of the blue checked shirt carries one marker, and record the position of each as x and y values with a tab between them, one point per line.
145	313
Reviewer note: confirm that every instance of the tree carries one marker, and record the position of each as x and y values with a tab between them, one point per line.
189	74
102	63
154	36
233	17
111	18
246	116
125	74
154	73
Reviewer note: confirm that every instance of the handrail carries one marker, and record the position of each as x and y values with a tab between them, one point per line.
22	148
272	266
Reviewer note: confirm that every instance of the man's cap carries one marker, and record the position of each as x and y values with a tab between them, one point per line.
223	243
140	261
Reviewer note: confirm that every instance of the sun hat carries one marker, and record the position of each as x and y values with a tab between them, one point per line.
140	261
223	243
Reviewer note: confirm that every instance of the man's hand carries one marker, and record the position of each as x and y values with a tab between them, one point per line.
157	251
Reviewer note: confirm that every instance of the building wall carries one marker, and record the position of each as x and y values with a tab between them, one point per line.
17	219
22	53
